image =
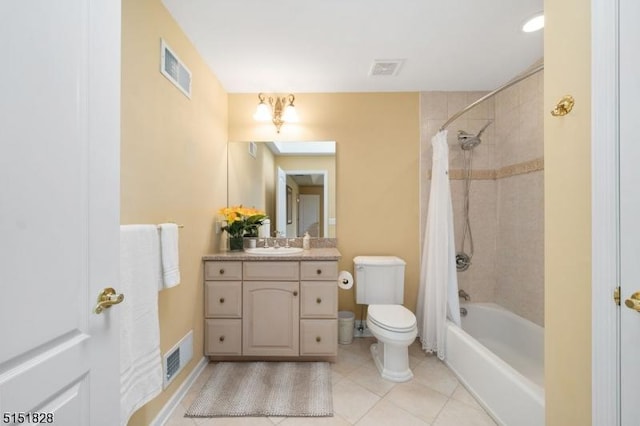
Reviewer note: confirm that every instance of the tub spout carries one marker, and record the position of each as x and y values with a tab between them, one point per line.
464	295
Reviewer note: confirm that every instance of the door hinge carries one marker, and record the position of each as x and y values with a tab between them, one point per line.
616	295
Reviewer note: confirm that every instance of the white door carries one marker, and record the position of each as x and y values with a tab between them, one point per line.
281	202
629	210
309	215
59	211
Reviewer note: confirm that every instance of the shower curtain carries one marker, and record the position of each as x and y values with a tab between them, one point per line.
438	292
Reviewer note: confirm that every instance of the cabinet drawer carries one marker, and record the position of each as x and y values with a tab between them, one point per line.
319	270
223	299
225	271
318	337
319	299
223	336
267	271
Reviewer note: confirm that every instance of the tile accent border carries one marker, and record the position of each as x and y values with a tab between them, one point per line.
521	168
501	173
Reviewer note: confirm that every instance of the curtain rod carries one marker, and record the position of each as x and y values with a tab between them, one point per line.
517	79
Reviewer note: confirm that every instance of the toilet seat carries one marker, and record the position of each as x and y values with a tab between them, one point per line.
394	318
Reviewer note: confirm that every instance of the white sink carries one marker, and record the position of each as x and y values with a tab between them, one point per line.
273	251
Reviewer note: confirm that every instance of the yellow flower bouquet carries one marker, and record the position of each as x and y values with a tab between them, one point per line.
242	221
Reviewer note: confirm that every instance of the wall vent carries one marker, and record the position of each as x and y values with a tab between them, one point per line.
174	69
386	67
177	357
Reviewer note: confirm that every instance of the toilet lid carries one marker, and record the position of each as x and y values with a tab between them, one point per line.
392	317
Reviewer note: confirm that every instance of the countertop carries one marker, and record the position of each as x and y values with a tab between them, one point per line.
330	253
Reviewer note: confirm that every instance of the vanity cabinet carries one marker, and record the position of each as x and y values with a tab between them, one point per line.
223	308
271	309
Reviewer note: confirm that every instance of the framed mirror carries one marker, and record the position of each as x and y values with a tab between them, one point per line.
293	182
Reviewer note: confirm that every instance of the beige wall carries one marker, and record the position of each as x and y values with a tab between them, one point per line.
377	152
567	214
172	165
247	178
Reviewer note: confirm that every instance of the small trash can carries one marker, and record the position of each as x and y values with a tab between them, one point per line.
346	323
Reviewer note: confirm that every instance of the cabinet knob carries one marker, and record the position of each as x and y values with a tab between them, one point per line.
319	271
318	300
222	271
222	300
318	339
221	338
295	293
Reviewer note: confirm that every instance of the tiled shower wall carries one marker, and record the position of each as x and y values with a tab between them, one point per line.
506	201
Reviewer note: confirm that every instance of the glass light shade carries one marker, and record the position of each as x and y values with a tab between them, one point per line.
263	112
290	114
534	24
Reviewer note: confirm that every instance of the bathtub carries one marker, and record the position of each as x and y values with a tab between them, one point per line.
498	356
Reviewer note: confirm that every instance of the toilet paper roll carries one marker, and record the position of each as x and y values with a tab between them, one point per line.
345	280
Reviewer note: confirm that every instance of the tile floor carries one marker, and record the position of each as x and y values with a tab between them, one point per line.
360	397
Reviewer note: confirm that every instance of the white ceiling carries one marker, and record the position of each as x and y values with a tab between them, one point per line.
281	46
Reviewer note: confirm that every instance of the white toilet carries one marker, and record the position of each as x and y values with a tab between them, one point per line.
380	284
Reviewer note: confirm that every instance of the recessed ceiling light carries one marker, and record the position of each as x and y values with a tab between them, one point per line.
535	23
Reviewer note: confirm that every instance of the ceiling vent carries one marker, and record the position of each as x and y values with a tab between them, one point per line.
386	67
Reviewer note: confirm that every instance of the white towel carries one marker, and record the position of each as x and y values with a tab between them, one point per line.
140	359
170	255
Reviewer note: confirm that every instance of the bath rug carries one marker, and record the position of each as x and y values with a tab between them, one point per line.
278	389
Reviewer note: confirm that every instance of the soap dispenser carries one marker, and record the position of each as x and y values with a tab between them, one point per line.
306	241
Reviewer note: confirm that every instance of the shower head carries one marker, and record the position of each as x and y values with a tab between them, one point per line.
468	141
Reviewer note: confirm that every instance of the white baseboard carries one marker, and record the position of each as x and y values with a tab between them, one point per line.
173	402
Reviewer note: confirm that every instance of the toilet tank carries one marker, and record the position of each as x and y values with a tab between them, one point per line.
379	279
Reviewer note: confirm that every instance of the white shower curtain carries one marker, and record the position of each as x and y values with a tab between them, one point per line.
438	292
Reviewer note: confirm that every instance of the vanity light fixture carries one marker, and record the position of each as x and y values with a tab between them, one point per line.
280	110
535	23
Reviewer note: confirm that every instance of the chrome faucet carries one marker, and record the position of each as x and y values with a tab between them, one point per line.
464	295
277	235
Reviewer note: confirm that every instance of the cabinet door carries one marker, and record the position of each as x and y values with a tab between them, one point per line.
270	323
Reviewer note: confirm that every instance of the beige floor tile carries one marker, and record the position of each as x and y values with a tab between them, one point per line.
462	394
359	346
358	391
417	399
351	401
385	413
349	361
433	373
315	421
177	418
456	413
234	421
368	377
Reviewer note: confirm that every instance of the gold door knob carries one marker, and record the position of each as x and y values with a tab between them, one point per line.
634	301
107	298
